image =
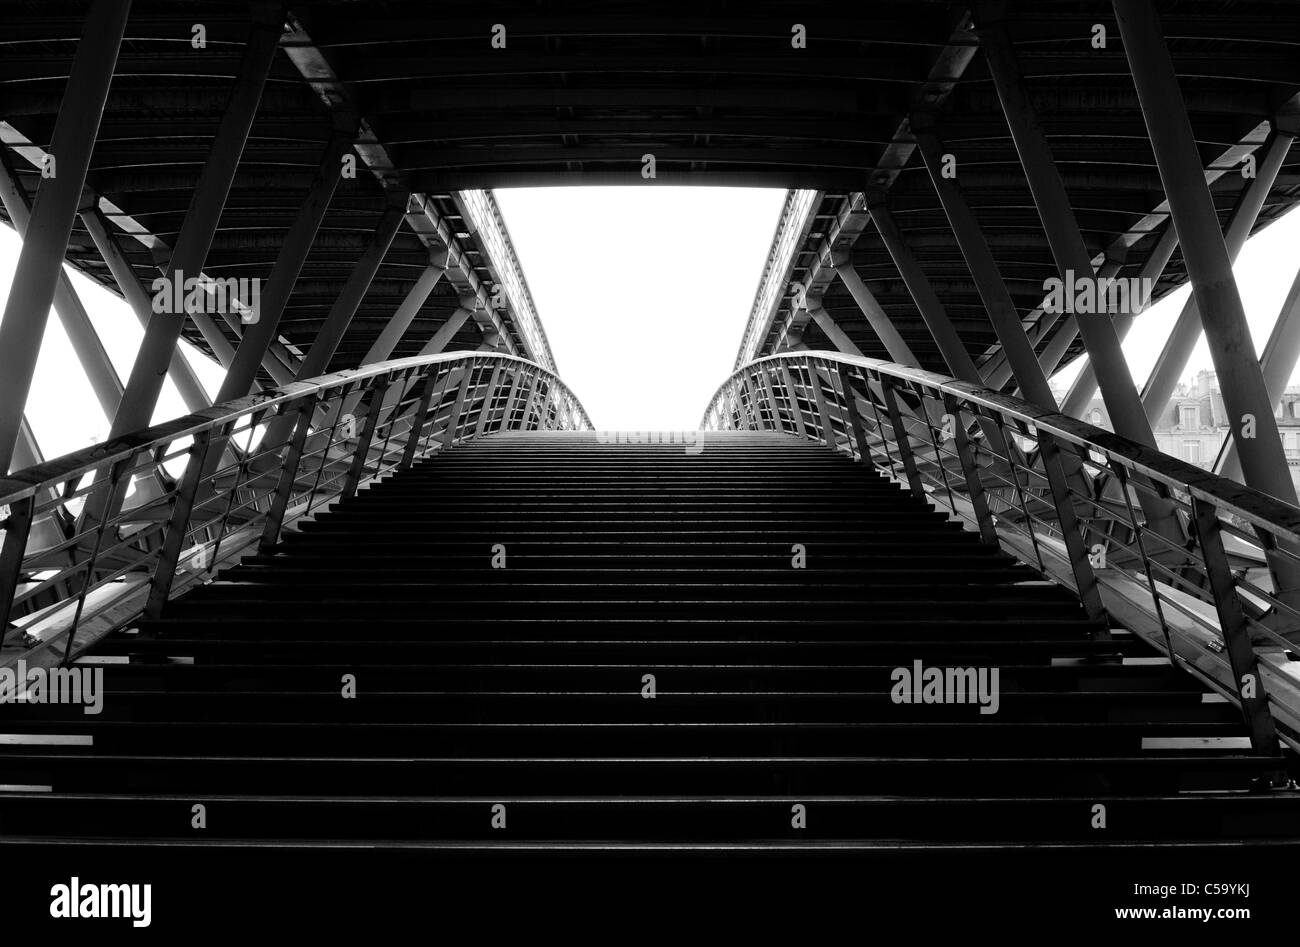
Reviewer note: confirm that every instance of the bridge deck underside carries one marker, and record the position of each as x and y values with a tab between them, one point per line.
580	98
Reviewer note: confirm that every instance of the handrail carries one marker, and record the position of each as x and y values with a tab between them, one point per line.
217	477
1064	495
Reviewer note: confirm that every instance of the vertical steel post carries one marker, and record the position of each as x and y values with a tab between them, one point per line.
901	438
815	380
288	474
178	525
421	417
974	487
374	407
1084	578
17	528
1236	636
488	397
453	420
788	381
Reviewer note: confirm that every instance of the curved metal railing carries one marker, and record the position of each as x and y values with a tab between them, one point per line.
92	540
1209	584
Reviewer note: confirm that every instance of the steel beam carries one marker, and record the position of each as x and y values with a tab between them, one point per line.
1055	350
447	331
875	315
1186	332
259	335
1085	383
1277	363
1070	251
336	323
401	320
1205	251
923	295
179	369
999	305
326	342
207	201
1063	235
833	332
1209	267
72	314
22	327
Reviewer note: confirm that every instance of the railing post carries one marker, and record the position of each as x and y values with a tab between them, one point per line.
18	526
788	380
902	439
851	414
515	384
374	407
767	392
544	412
288	476
1084	578
486	411
178	525
974	487
420	419
755	410
815	377
1247	682
449	434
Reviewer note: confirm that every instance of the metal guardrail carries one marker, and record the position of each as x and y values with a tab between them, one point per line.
240	468
1049	488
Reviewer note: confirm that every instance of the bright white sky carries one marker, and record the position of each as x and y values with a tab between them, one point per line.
645	318
644	322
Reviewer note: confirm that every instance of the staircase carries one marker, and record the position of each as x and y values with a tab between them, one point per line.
502	611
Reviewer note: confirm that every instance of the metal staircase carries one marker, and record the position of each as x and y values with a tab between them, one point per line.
500	612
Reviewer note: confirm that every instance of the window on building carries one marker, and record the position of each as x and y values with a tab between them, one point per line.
1094	417
1192	451
1189	415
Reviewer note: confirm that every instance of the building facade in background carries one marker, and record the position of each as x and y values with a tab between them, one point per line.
1194	425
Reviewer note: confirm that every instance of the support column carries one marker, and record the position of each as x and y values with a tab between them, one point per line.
401	321
1277	363
1085	383
259	335
40	262
1206	254
999	305
207	202
833	332
1055	350
179	370
447	331
336	323
72	314
1209	267
951	347
326	343
1171	364
898	349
